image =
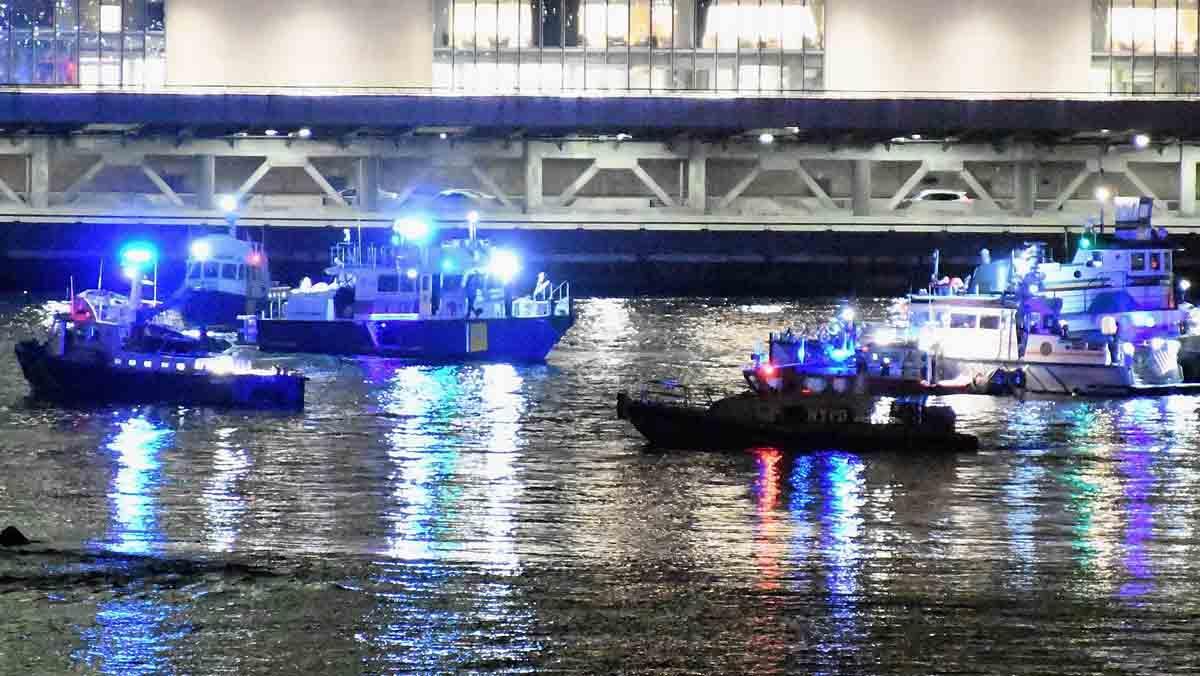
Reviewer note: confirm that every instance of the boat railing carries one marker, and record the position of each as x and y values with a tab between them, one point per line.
671	392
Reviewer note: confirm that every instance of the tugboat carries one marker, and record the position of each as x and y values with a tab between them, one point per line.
104	351
451	302
670	416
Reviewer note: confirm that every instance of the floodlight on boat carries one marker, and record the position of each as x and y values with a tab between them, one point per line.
228	203
412	229
201	250
504	265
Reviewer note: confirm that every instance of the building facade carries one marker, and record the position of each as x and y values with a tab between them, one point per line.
780	47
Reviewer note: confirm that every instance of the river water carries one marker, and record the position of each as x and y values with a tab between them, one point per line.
497	518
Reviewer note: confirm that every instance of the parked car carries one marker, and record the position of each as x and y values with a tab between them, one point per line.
939	200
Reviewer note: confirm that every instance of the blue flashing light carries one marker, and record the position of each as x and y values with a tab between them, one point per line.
1085	242
411	273
138	254
447	265
841	353
413	229
396	240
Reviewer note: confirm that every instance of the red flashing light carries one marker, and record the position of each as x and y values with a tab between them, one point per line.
768	370
255	259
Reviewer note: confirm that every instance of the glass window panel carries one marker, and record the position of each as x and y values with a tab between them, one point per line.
814	72
793	25
110	60
1186	27
89	59
618	69
156	15
532	17
1189	76
662	23
487	19
1145	20
1165	20
23	57
89	15
33	14
812	23
684	68
721	25
442	33
529	71
748	72
443	74
1122	25
135	15
660	73
748	24
685	24
66	19
727	72
639	23
155	69
639	69
1100	33
43	72
570	10
506	71
770	24
66	60
6	74
132	61
1143	75
705	77
573	73
1122	75
552	71
771	74
552	24
1098	78
793	71
509	29
110	18
464	25
618	23
1165	76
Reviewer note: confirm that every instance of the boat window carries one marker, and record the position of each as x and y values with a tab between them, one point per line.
210	270
962	321
1137	261
1166	261
426	282
991	323
452	282
241	272
408	285
194	271
229	271
389	283
1155	262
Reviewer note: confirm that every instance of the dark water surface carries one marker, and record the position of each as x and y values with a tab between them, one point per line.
498	518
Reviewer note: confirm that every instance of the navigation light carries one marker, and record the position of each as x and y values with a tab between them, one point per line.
138	254
504	265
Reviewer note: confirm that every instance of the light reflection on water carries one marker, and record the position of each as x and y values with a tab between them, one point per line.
495	517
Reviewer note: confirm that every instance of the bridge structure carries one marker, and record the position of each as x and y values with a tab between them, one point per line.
817	162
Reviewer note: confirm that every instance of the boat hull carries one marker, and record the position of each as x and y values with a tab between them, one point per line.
692	428
513	340
1038	378
64	380
208	308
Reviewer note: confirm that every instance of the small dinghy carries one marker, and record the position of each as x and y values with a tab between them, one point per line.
672	416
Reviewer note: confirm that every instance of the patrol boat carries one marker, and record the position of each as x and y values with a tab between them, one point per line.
449	302
104	350
227	278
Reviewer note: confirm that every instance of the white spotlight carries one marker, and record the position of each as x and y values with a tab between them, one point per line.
1141	141
228	203
272	132
766	138
304	132
1103	193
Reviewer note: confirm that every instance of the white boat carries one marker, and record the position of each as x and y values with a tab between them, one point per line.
227	278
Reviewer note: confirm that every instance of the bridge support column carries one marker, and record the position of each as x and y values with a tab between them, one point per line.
533	178
860	195
206	182
366	184
1187	180
39	173
1024	188
697	180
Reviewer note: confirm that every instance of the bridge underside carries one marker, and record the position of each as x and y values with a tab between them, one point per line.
607	164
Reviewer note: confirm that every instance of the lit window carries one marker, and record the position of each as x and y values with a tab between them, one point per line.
110	18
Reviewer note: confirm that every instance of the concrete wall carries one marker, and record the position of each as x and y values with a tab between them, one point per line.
958	45
349	43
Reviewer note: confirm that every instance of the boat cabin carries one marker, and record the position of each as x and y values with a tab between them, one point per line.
226	264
